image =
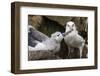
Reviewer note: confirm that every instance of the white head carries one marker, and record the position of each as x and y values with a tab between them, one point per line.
70	25
57	36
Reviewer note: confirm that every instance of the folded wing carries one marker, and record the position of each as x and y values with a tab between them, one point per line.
35	36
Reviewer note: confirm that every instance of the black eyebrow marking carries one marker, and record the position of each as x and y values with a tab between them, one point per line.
67	25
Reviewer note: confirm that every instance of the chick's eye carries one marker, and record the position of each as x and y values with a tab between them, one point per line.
58	34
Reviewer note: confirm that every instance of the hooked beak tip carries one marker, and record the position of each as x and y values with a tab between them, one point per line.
63	34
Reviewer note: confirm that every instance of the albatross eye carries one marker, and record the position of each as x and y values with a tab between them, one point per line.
73	25
67	25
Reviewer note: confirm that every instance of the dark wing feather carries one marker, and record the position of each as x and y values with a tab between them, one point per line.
35	36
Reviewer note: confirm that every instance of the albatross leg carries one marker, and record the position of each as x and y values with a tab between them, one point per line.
80	52
69	52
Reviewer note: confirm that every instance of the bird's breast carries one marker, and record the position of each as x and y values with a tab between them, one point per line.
73	40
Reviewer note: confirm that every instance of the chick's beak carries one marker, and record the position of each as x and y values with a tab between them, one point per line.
63	34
